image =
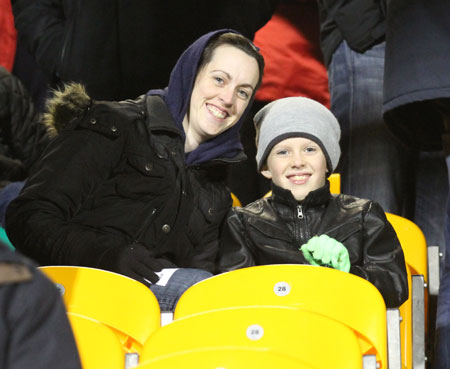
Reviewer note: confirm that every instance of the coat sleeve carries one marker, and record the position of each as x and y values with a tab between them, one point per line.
39	222
234	251
360	32
41	26
23	132
383	260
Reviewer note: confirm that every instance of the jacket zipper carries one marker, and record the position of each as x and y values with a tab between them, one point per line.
140	233
300	214
298	224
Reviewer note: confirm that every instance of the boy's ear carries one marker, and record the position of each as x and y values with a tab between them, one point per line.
266	172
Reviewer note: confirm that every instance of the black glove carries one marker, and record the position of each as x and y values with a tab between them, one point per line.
12	169
134	261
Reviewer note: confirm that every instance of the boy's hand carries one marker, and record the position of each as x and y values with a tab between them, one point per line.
324	250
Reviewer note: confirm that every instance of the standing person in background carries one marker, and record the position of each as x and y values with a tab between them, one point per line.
8	35
138	186
290	45
375	164
22	138
34	329
120	49
417	109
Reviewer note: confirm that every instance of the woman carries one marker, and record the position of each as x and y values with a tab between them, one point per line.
137	186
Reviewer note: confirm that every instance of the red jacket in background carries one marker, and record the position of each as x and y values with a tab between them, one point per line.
290	45
8	35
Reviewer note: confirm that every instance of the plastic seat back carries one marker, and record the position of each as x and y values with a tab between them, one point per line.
224	358
98	346
413	243
119	302
313	339
414	311
341	296
236	201
335	183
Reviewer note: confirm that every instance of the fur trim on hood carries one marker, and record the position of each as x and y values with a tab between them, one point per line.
65	105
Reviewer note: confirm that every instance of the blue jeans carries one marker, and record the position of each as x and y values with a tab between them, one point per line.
179	282
442	338
375	164
7	194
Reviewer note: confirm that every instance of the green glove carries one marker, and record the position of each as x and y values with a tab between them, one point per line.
324	250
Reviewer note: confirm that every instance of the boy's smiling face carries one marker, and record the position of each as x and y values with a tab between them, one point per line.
297	164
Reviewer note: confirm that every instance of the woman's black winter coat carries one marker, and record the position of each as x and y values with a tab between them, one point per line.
122	179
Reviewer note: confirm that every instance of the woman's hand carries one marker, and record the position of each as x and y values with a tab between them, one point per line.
134	261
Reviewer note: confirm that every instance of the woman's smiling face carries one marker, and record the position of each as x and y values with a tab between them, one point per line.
221	93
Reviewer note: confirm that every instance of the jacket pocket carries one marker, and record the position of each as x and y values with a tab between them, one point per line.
344	231
270	229
146	165
141	175
208	213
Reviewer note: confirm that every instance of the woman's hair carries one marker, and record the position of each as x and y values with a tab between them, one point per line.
240	42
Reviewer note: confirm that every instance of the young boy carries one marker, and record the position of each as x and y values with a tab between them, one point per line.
302	223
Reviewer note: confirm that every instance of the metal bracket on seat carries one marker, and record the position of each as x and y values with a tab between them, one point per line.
394	343
434	258
418	321
370	362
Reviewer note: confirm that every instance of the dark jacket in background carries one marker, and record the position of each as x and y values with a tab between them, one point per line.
417	65
120	49
34	329
22	135
359	22
271	231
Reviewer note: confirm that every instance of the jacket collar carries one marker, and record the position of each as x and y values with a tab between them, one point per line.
159	118
158	115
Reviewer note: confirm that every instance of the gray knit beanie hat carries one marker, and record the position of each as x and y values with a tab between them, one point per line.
297	117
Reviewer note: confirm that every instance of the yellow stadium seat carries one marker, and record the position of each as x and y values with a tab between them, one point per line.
414	311
313	339
341	296
413	243
335	183
224	358
98	346
123	304
236	201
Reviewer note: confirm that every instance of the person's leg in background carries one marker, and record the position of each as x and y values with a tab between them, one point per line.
7	194
431	188
374	164
169	294
442	337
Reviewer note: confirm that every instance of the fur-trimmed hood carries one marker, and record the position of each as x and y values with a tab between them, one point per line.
66	104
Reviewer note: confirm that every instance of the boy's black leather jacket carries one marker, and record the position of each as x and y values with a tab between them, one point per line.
271	230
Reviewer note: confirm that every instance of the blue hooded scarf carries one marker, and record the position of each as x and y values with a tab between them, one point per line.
177	97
